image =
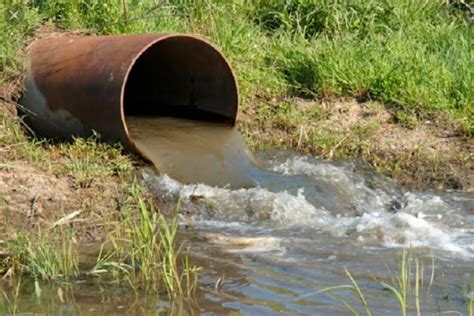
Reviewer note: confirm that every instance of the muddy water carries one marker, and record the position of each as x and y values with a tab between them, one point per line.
304	221
194	151
292	229
281	242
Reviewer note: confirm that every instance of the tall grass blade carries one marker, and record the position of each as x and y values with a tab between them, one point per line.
359	292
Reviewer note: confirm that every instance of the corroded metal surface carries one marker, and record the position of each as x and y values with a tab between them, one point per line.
78	84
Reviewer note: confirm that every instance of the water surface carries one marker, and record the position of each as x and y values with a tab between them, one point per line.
278	233
277	244
282	231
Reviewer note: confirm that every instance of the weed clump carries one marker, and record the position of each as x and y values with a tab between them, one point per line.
139	249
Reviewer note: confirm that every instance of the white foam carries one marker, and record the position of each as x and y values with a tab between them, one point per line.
342	179
423	220
258	204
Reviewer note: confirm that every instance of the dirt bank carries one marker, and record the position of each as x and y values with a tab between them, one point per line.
422	155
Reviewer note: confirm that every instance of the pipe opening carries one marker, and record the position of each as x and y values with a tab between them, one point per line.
181	76
180	104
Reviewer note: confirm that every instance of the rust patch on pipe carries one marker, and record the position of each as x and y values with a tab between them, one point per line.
78	84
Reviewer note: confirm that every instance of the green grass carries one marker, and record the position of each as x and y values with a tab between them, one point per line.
47	256
85	160
413	55
17	144
12	40
140	250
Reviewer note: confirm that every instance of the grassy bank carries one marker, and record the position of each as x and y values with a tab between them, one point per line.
75	211
412	57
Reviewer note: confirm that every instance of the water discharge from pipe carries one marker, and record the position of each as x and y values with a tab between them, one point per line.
215	154
195	151
301	220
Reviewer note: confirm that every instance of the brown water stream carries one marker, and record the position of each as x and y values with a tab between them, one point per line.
194	151
278	235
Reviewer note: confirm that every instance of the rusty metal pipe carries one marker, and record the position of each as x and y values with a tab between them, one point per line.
79	84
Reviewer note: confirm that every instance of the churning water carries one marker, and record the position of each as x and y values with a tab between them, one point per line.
281	232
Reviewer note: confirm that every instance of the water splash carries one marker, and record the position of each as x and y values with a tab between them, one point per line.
364	215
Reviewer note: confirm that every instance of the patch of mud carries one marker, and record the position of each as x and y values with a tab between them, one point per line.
31	196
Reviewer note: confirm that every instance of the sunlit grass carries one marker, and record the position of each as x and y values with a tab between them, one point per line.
88	159
412	55
143	247
140	251
50	255
15	143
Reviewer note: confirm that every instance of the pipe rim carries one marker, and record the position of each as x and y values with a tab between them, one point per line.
147	47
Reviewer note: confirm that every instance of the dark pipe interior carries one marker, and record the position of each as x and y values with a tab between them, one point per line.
181	77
